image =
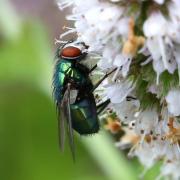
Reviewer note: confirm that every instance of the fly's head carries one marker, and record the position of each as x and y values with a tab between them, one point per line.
73	50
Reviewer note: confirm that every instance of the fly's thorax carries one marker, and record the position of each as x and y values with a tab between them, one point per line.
77	72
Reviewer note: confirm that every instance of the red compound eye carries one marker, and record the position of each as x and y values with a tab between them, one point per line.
70	52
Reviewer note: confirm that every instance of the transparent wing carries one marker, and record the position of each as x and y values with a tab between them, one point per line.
69	123
61	126
65	117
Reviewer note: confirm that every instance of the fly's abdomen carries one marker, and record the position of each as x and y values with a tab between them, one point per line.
84	116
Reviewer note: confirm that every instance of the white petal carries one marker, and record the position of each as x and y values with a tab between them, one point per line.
159	1
155	25
117	92
173	100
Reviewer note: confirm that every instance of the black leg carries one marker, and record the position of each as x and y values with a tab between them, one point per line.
129	98
93	68
101	80
102	106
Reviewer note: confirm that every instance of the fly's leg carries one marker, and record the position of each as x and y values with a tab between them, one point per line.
101	107
92	69
103	78
130	98
104	104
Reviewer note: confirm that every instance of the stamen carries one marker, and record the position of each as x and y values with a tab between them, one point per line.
67	33
69	28
157	78
60	42
64	4
149	59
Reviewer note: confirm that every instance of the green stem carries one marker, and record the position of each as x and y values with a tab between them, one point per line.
112	161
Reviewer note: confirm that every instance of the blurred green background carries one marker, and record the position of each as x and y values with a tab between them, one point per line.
28	126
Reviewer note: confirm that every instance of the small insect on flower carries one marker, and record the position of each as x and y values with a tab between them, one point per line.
73	93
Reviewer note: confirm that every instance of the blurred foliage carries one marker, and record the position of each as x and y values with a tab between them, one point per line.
28	127
7	14
29	148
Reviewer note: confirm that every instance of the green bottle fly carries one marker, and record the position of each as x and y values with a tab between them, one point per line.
73	93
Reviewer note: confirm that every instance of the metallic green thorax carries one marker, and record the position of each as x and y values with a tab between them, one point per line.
83	110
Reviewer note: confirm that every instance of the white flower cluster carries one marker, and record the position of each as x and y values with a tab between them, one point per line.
108	28
163	39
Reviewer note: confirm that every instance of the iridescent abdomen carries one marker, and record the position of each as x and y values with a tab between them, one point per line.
84	116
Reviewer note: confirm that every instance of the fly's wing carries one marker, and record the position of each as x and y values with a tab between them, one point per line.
65	117
61	126
70	130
